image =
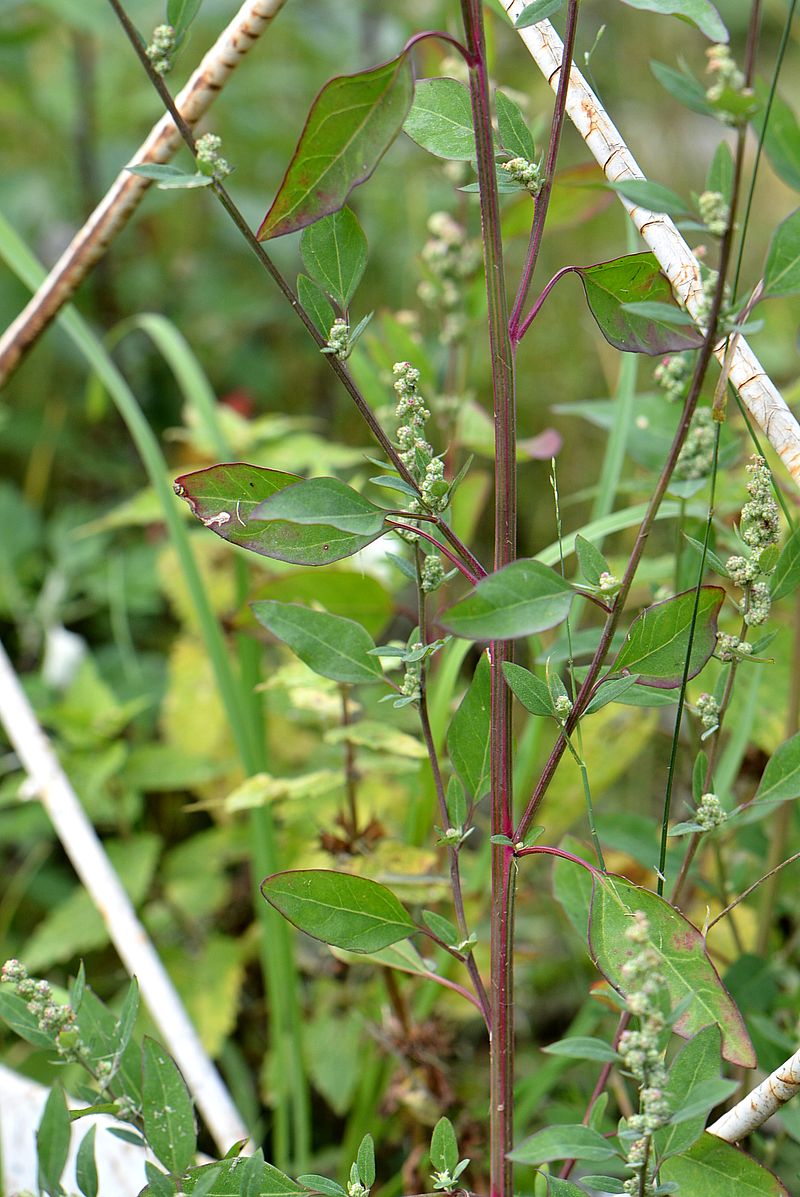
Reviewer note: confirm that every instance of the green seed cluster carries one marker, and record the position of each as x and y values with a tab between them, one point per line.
641	1051
451	261
432	573
709	813
51	1017
209	159
731	648
714	212
161	50
760	519
696	458
672	374
338	344
727	76
707	707
529	174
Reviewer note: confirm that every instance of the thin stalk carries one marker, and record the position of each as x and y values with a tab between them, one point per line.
350	773
517	328
401	526
505	551
581	763
750	889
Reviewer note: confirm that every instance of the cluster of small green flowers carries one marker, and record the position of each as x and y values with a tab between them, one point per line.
641	1051
697	455
209	159
51	1017
742	570
451	260
727	74
759	604
707	708
161	50
415	451
714	212
562	706
706	299
434	489
338	344
731	648
529	174
432	573
607	583
672	374
709	813
410	687
760	519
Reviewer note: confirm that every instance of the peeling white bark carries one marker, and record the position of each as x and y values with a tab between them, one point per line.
764	1101
758	393
124	196
51	786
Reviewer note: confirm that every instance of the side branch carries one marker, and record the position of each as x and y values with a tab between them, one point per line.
758	393
125	194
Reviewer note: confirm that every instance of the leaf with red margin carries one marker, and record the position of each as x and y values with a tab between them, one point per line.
658	639
351	124
683	960
223	497
636	278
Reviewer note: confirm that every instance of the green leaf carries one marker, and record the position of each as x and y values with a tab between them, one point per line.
518	600
85	1166
635	278
444	1146
180	14
683	87
339	909
556	1187
540	10
653	310
563	1143
531	691
127	1016
15	1014
334	252
365	1160
782	271
786	576
468	734
168	1112
334	647
515	136
325	501
158	1183
341	592
591	561
701	13
441	927
170	178
611	691
321	1184
351	124
782	138
705	1096
780	781
653	196
657	640
223	497
228	1179
720	171
440	119
582	1047
316	304
687	969
717	1169
52	1142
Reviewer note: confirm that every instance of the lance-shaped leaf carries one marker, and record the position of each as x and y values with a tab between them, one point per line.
657	641
334	252
440	119
701	13
224	497
563	1142
468	734
780	781
781	137
540	10
339	909
352	122
515	136
635	278
518	600
332	646
655	196
782	271
697	1063
316	305
325	501
52	1142
718	1169
227	1175
682	960
786	575
168	1111
532	692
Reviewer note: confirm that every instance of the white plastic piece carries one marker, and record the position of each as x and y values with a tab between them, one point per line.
757	391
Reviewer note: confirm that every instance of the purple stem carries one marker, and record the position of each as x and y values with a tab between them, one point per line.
519	333
451	557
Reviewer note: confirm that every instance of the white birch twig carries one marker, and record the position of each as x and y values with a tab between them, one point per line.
123	197
76	833
758	393
764	1101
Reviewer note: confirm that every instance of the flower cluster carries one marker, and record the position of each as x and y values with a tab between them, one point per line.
672	374
338	344
731	648
161	50
641	1051
51	1017
714	212
209	159
705	301
709	813
562	706
707	707
451	261
608	583
727	76
433	573
760	522
411	684
697	455
415	451
529	174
